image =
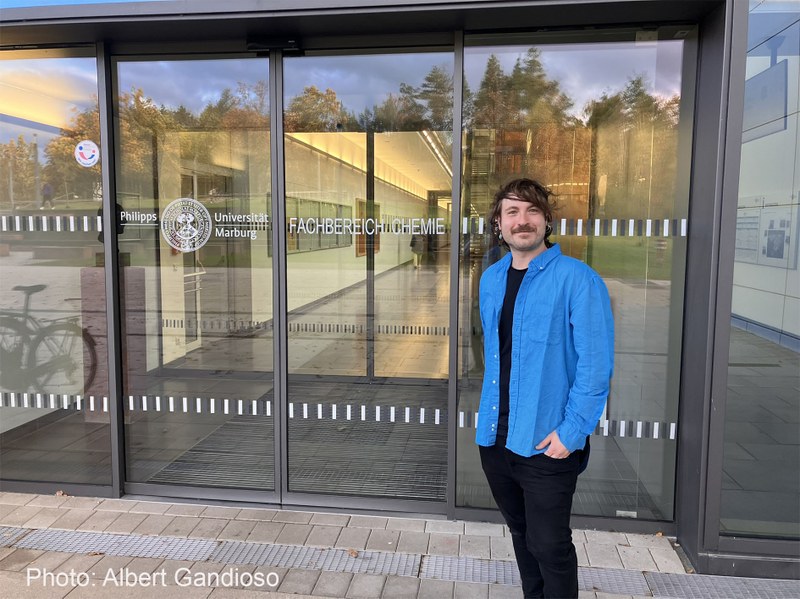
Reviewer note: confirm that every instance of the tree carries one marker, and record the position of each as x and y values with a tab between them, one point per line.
315	110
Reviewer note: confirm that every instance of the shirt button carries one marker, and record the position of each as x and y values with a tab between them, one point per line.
495	356
494	407
494	382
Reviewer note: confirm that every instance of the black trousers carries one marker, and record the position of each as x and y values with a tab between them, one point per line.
535	497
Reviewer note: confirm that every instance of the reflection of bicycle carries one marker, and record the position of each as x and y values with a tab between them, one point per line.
56	356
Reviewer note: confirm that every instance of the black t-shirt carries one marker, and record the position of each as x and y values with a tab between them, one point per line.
506	325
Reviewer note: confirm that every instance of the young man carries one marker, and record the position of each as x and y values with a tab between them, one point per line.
549	350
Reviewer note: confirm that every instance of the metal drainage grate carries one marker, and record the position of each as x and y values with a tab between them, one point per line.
469	569
697	586
332	560
9	535
116	544
618	582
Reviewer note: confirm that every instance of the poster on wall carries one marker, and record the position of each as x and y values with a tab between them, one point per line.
778	246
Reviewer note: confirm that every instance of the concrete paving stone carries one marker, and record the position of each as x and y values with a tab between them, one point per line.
272	576
400	587
208	528
435	589
180	526
635	540
367	522
504	591
323	536
48	500
299	581
409	524
580	551
109	562
604	537
44	518
474	546
578	536
200	574
79	563
71	519
143	565
667	560
332	584
294	534
20	515
383	540
98	521
330	519
501	548
603	556
265	532
4	551
17	585
7	508
226	593
290	517
216	511
125	523
237	530
50	560
601	595
185	509
175	570
486	529
256	514
18	560
116	505
15	498
242	577
636	558
353	538
443	544
153	524
587	595
413	542
149	507
366	586
104	591
82	503
471	590
455	527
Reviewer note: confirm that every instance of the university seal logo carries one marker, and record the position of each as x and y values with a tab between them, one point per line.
186	225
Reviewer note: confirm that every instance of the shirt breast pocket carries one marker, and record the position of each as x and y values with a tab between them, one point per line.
544	324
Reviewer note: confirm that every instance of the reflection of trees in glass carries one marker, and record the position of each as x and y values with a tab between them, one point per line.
429	106
619	160
17	176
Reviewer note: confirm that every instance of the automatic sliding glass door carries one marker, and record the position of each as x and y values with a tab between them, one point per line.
368	141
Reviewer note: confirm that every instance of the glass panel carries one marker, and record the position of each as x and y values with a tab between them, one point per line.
761	461
368	187
598	124
53	351
193	192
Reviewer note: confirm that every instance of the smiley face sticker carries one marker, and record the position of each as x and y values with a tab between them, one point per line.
87	153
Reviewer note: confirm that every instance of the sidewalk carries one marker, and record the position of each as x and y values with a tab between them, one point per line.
80	547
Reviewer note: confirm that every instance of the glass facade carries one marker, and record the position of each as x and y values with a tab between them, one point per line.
194	203
609	150
761	458
54	425
368	197
299	312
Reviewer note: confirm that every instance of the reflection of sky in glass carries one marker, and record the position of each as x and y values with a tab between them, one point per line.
361	81
193	84
586	71
35	3
42	95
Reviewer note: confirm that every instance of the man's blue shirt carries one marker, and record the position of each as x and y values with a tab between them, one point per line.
562	352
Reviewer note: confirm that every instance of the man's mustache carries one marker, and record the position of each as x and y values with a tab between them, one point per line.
524	229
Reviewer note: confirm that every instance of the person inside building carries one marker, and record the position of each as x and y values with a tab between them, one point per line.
548	351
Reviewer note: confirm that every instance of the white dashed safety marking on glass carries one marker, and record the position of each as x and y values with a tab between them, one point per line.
72	541
9	535
694	586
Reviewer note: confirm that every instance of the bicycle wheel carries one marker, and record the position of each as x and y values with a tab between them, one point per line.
62	360
13	359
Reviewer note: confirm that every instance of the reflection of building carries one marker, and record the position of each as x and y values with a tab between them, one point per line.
297	357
